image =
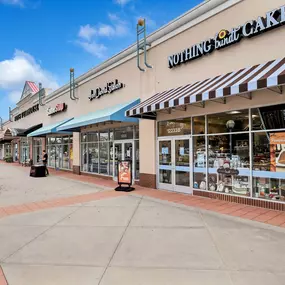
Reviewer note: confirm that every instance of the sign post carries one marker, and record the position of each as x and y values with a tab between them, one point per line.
125	178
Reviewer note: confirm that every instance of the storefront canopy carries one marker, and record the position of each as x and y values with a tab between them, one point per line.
50	129
243	81
24	133
113	114
9	134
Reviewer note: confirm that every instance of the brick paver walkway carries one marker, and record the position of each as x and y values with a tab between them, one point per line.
271	217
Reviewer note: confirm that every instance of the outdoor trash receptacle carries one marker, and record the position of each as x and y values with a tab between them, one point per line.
38	171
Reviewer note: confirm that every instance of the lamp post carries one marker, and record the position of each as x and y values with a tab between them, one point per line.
230	125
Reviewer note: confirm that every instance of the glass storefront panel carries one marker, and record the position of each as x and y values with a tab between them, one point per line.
199	161
177	127
104	158
59	150
199	125
104	135
137	159
235	121
182	163
229	164
93	157
126	133
24	150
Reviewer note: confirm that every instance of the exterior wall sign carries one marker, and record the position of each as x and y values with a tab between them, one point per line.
27	112
58	108
108	89
224	38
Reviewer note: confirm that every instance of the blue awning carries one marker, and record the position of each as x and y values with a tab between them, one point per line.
115	113
49	129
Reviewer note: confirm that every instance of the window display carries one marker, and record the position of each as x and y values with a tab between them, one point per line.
199	157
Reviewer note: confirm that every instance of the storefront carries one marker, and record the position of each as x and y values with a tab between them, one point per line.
60	151
101	150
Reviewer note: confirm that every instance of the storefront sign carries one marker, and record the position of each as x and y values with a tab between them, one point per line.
224	38
27	112
108	89
58	108
277	152
125	172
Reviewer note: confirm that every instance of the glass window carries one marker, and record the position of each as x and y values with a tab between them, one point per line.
266	118
84	157
228	158
92	137
111	161
104	135
177	127
233	121
65	163
58	140
199	159
111	134
199	125
124	133
137	159
83	137
65	140
165	161
104	157
93	158
71	139
137	132
182	163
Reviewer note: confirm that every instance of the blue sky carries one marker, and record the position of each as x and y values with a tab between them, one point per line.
42	39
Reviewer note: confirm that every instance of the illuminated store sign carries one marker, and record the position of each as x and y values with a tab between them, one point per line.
58	108
27	112
224	38
108	89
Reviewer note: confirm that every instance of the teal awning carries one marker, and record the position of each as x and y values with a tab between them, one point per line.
49	129
115	114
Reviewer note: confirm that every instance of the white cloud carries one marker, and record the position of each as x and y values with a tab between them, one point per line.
13	2
91	36
93	48
122	2
14	72
87	32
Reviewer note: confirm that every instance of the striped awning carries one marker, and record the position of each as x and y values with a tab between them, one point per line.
246	80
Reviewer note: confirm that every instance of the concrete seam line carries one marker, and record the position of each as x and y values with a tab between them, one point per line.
49	228
124	232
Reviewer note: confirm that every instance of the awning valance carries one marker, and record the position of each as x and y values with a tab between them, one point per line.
246	80
114	114
49	129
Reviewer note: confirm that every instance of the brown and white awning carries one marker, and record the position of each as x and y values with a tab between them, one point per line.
246	80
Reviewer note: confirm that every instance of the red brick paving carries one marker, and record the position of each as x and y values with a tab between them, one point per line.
3	280
272	217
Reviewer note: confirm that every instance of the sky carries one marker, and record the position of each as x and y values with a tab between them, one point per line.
41	39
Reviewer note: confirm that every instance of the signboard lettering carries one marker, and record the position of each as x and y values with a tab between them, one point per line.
27	112
108	89
225	38
57	109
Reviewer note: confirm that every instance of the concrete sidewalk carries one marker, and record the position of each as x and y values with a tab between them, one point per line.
90	234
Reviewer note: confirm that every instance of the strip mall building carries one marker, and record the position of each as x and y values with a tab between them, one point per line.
199	108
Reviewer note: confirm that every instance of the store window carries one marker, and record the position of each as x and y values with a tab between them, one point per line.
37	150
24	150
125	133
232	121
199	161
177	127
199	125
60	152
97	150
229	164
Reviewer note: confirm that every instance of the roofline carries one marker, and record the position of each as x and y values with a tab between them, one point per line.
183	19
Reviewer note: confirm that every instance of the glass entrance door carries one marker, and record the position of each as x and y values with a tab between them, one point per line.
123	151
174	164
